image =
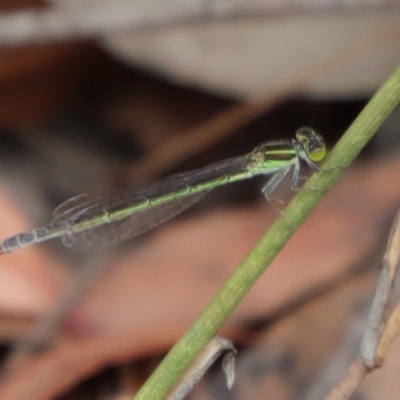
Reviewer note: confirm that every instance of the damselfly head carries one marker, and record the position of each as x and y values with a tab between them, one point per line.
313	144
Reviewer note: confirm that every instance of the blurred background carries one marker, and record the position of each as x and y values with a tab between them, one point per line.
102	95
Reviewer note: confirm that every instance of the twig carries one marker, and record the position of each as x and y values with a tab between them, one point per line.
381	331
237	286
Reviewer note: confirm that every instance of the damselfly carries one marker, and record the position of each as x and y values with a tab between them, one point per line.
92	219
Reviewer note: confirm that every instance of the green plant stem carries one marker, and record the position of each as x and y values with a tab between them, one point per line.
244	277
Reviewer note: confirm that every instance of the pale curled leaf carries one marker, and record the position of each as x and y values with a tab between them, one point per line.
228	366
202	363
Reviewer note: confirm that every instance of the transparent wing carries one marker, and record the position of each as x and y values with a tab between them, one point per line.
92	207
90	204
129	227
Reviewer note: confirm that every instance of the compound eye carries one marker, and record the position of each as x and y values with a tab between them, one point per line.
314	144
